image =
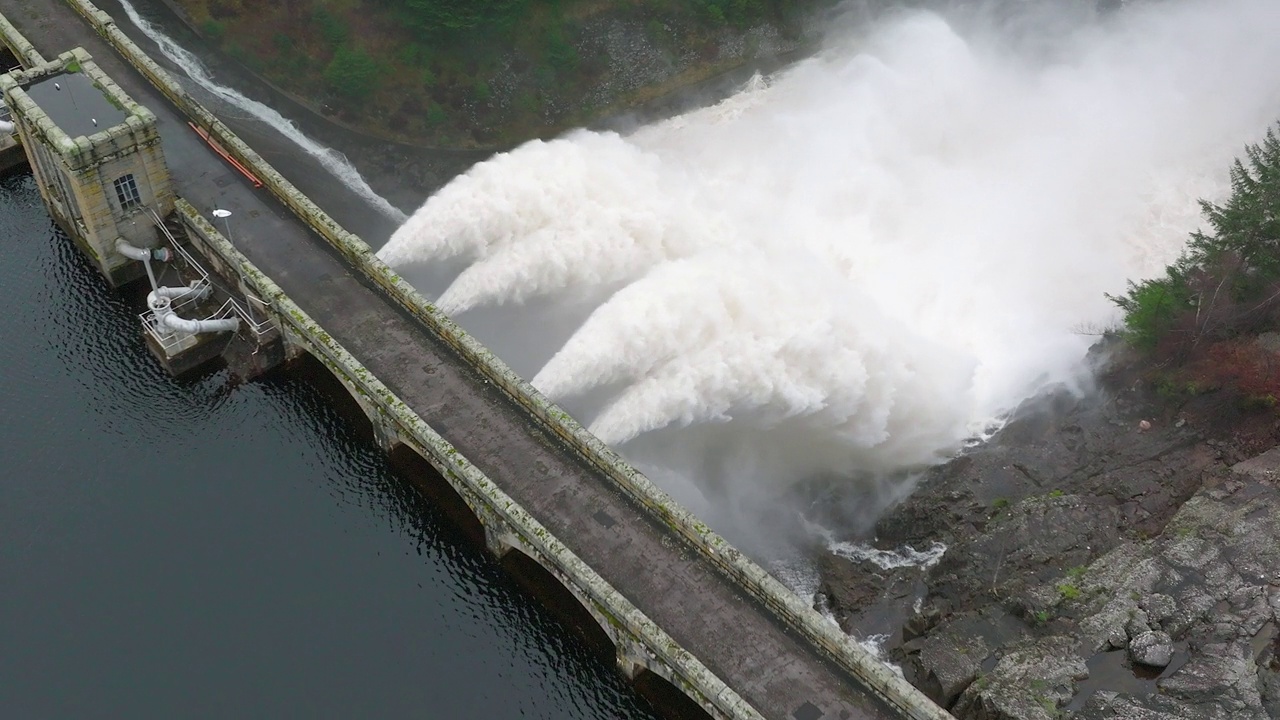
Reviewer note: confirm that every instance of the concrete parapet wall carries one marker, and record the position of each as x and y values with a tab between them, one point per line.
874	675
25	51
626	625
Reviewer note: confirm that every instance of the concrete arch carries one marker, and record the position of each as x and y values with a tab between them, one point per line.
667	698
609	636
603	633
409	463
341	395
537	580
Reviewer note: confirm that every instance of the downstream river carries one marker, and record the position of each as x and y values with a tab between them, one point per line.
210	549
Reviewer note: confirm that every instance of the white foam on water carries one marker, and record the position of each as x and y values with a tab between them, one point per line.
332	160
858	263
905	556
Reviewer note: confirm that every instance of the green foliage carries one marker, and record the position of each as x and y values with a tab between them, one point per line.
737	12
562	55
437	16
1076	572
240	54
1151	307
530	103
1258	402
332	28
1248	224
352	74
1069	591
1056	493
214	30
283	43
1228	274
436	114
1000	503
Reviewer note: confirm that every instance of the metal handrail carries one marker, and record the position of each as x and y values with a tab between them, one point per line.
151	325
169	340
259	328
181	251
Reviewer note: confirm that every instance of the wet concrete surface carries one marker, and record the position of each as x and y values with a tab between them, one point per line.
772	668
72	101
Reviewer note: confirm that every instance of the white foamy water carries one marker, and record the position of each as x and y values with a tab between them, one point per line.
332	160
905	556
863	260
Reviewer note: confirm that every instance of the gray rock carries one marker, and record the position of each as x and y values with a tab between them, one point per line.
1249	605
1264	467
1087	536
951	659
1159	607
1137	624
1269	680
1219	675
1030	544
1030	682
1117	640
1269	341
1109	705
1152	648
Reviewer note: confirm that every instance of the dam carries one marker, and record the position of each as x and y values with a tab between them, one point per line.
676	600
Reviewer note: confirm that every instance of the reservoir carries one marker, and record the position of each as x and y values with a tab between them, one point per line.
203	548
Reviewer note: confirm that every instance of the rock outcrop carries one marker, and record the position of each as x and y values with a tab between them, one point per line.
1095	569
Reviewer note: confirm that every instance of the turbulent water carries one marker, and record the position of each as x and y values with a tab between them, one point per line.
858	263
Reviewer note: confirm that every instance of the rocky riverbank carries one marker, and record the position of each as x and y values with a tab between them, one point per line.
1112	555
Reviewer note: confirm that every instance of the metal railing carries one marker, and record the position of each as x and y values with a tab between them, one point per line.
193	267
259	323
171	341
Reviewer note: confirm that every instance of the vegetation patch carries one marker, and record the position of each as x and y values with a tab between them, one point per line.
1228	279
1199	323
480	72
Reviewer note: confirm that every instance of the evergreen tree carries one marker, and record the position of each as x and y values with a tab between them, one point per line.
1229	276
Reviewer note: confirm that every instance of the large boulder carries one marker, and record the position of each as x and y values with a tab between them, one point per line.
1152	648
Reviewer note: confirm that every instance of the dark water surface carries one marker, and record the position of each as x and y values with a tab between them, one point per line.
205	549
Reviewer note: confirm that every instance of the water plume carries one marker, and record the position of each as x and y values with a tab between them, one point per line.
855	264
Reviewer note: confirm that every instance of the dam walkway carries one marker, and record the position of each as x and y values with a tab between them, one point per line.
771	666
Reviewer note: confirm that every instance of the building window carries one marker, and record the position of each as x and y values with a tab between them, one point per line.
127	192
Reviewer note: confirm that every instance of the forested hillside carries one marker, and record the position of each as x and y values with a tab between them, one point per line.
490	72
